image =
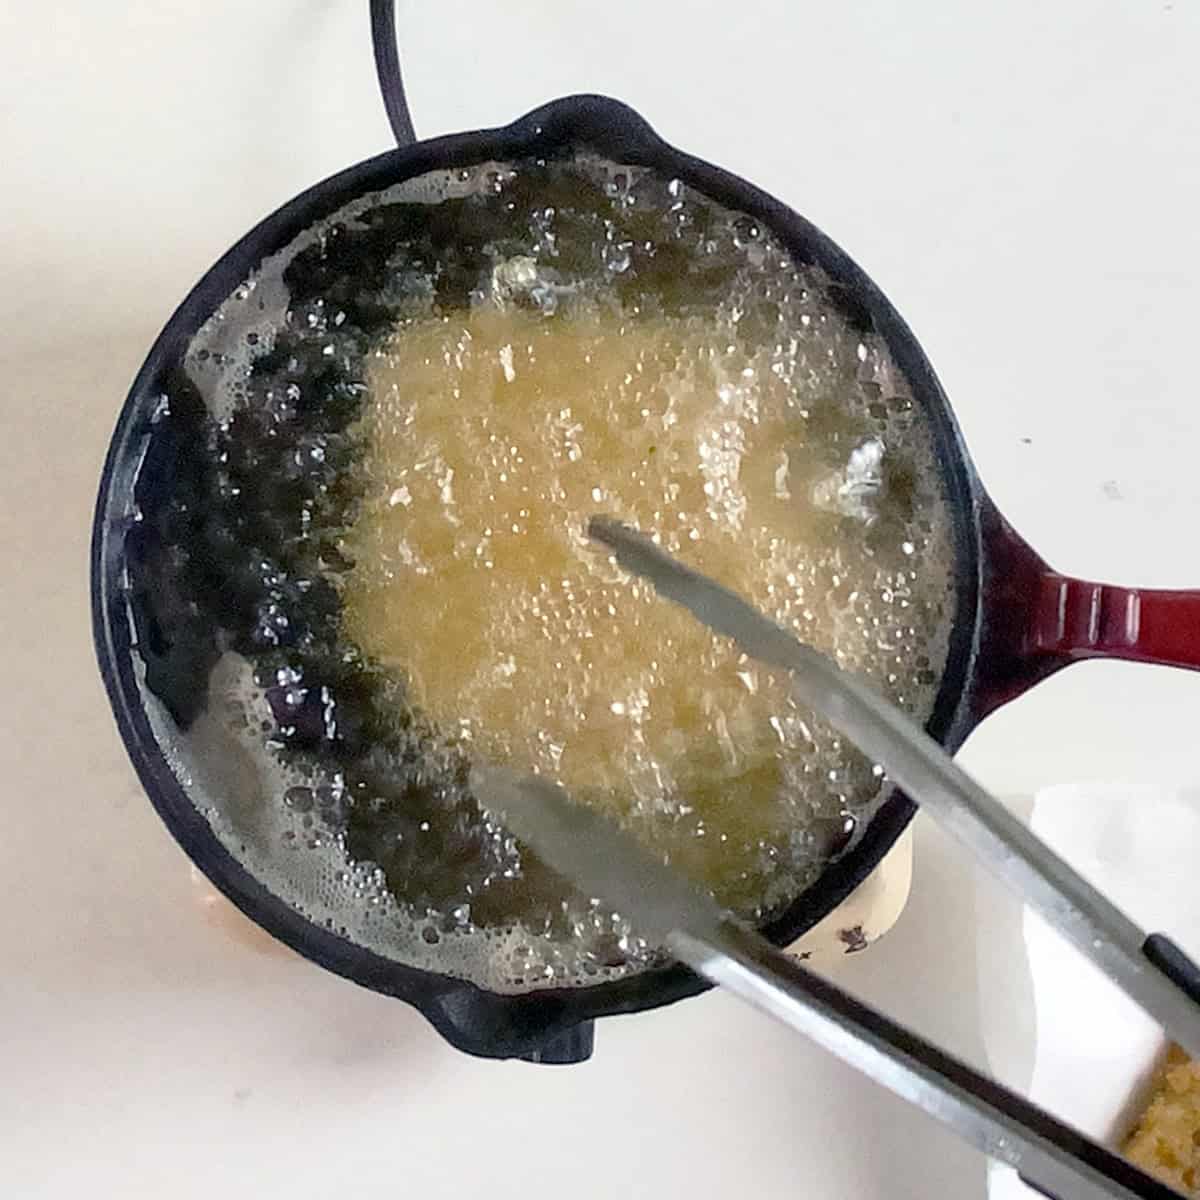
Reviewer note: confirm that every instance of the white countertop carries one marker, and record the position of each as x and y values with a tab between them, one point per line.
1023	180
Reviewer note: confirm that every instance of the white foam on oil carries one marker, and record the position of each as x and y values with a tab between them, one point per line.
263	811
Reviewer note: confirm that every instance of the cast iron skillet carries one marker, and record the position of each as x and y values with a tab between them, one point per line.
1017	621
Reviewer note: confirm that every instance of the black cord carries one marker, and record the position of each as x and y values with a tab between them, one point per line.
387	68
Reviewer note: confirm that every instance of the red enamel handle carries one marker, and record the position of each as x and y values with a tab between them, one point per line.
1094	620
1035	621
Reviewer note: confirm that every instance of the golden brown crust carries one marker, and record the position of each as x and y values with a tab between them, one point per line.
1166	1141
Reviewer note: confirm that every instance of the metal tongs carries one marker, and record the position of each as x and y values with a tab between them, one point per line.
606	862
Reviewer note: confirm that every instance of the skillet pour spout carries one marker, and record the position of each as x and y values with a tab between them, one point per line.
1017	621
